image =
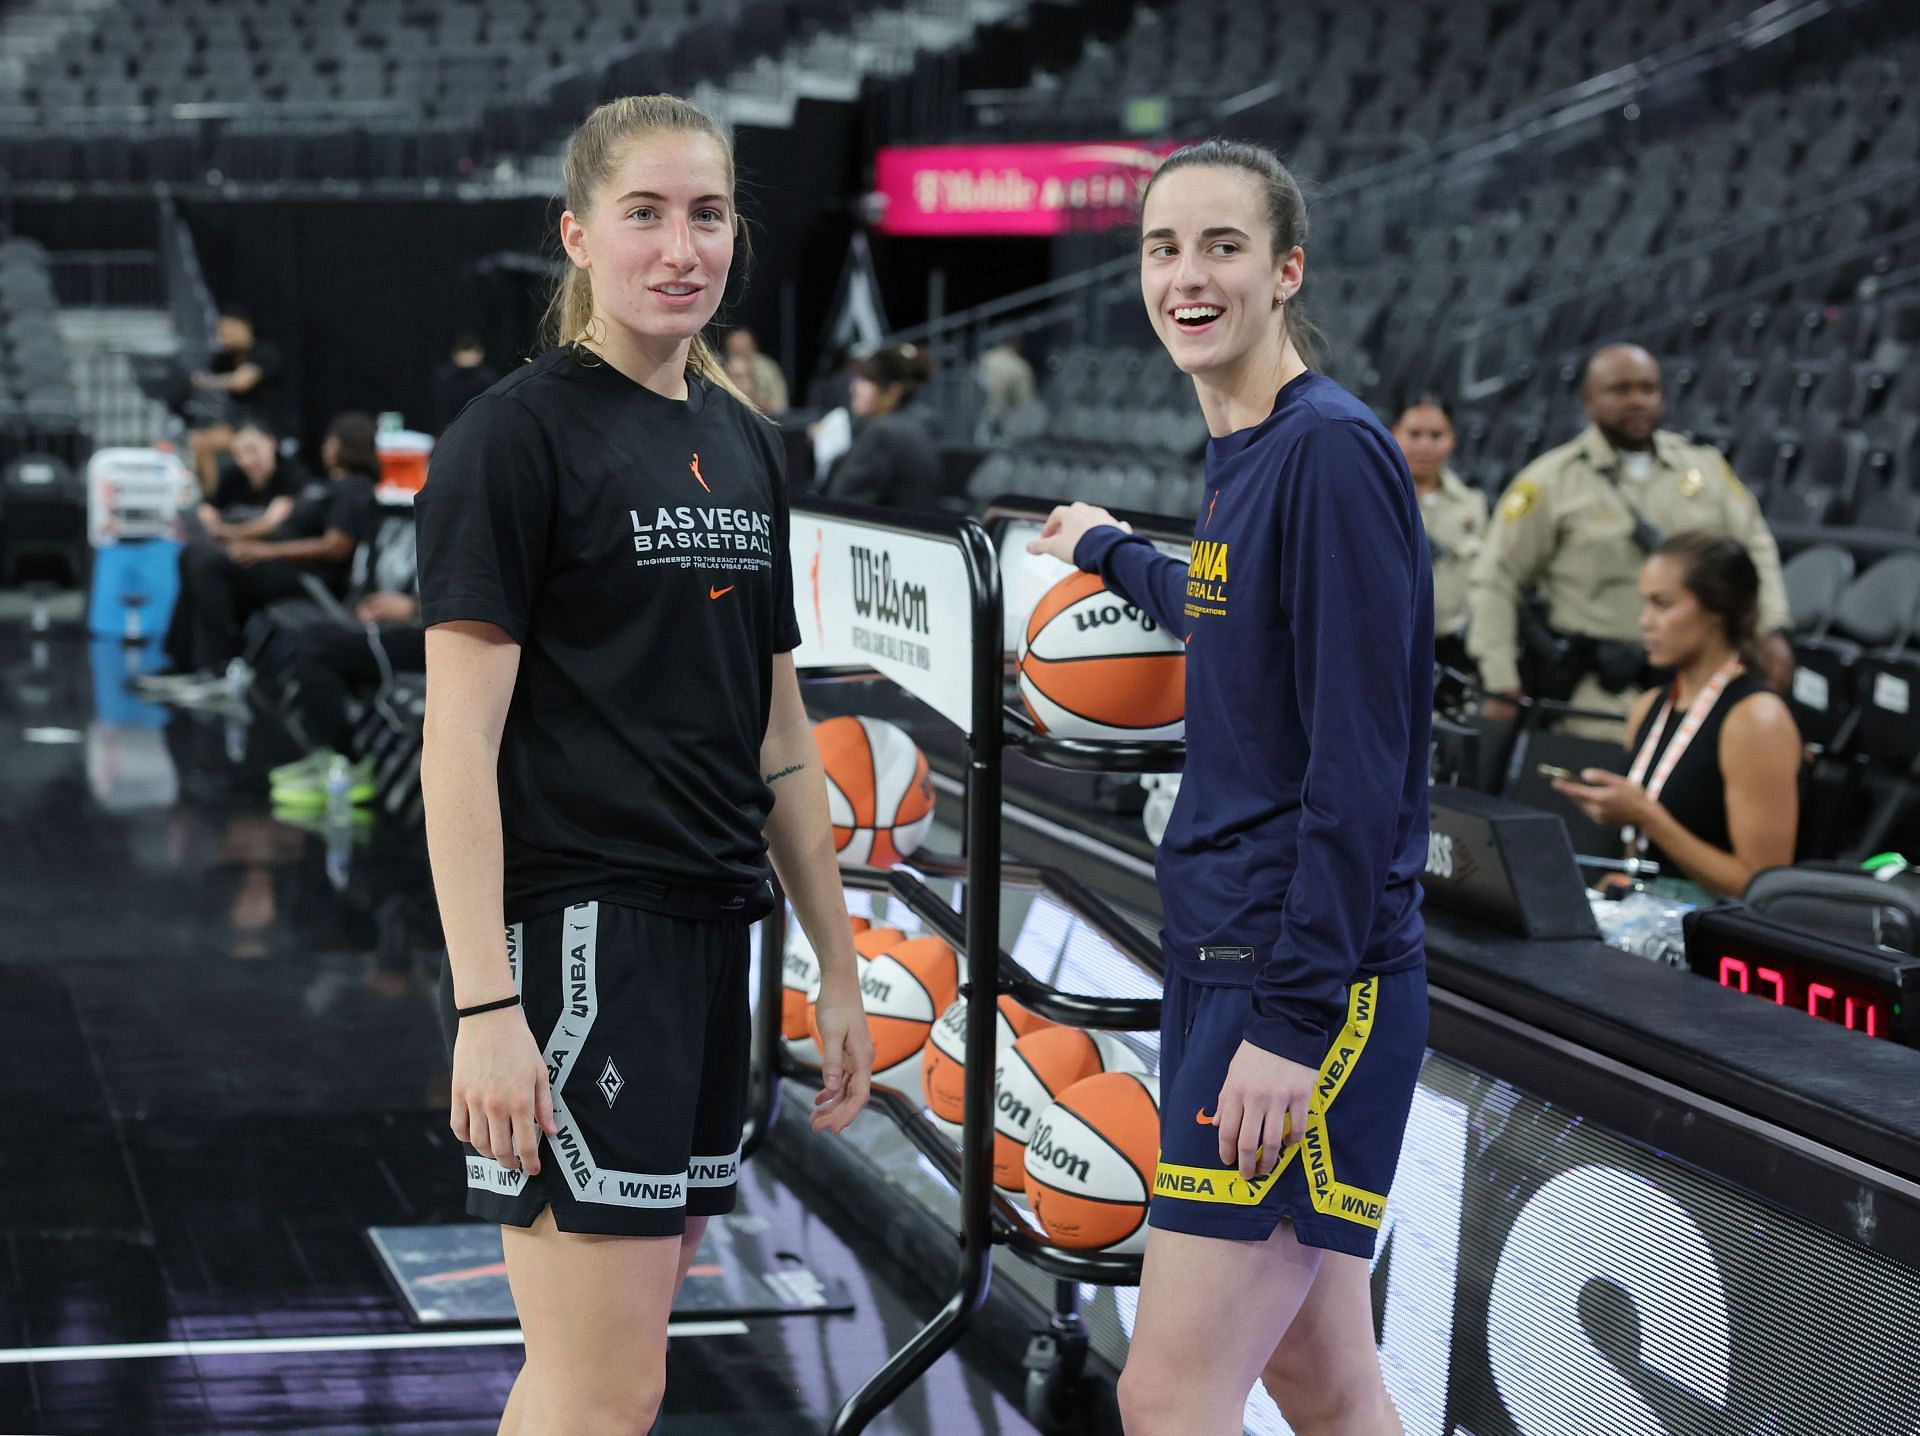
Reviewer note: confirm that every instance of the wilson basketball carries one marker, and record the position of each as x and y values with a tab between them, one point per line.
1036	1069
904	990
944	1072
879	796
867	944
1094	666
799	986
876	940
1089	1166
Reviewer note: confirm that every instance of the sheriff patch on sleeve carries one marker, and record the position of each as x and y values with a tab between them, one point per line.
1520	498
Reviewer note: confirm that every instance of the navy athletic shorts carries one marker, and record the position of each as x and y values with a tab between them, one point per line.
1333	1185
643	1020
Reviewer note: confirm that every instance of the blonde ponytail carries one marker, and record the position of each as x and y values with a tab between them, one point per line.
591	155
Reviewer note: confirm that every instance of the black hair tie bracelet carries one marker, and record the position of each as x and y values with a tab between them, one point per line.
513	1001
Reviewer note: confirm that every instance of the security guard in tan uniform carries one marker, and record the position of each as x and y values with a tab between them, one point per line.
1454	512
1578	523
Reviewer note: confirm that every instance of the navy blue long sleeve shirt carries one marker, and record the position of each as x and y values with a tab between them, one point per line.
1300	831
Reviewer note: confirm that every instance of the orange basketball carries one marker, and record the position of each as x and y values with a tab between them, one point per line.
876	940
879	795
867	944
1094	666
800	978
1035	1070
1090	1164
904	990
945	1063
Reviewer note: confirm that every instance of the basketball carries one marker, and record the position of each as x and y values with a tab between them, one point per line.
879	796
799	985
1094	666
1089	1167
904	990
873	941
868	943
944	1073
1035	1070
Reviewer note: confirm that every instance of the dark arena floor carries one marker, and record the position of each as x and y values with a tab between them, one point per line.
230	1068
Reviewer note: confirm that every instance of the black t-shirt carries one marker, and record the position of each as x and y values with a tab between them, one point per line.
323	505
234	493
635	547
267	398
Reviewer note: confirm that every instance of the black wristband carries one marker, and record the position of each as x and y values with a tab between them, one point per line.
513	1001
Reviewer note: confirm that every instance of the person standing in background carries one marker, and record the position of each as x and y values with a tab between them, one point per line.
769	389
1455	515
465	374
1577	524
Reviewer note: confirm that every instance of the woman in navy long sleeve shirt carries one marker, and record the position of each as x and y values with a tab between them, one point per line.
1295	1015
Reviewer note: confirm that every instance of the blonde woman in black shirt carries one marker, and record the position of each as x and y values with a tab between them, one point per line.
615	743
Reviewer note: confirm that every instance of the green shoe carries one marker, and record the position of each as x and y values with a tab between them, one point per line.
307	787
295	774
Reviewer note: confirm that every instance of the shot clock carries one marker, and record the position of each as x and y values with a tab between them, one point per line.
1871	991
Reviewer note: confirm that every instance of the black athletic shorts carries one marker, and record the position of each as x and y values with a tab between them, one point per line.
643	1020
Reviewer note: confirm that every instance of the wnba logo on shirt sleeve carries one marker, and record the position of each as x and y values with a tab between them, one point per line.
1207	580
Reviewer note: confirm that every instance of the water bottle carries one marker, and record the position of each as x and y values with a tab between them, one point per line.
339	828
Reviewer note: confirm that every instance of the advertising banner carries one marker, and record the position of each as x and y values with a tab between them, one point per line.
1031	189
899	603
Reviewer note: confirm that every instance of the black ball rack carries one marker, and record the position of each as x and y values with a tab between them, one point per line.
867	536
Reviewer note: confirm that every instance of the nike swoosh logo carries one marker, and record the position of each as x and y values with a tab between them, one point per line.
1207	1120
720	592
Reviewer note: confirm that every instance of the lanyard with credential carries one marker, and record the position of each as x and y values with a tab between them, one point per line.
1697	712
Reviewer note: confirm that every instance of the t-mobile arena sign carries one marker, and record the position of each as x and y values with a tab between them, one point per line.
1012	189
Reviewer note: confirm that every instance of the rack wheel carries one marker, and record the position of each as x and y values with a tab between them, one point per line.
1054	1363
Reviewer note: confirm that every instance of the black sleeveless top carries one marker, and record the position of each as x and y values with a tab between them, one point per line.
1695	793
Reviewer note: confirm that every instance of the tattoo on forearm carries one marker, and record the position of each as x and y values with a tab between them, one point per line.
785	772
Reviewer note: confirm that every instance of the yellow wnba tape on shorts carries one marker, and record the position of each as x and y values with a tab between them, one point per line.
1211	1184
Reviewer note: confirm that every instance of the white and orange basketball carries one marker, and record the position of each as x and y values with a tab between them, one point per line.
868	943
799	986
1089	1165
1094	666
944	1068
1035	1070
904	991
879	795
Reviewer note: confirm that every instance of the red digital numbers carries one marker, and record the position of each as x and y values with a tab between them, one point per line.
1817	999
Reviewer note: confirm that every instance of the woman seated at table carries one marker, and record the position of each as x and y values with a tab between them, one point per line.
1712	788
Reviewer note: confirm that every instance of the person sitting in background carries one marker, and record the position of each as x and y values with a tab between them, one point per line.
245	375
741	369
465	374
1007	384
893	460
1712	792
769	389
331	664
255	487
1455	514
223	582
